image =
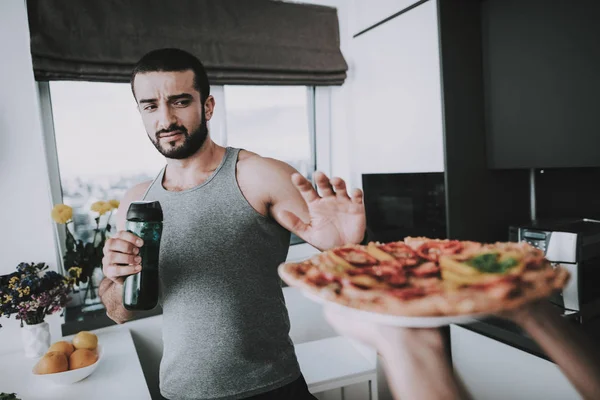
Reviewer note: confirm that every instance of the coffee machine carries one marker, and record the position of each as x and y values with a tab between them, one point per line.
573	244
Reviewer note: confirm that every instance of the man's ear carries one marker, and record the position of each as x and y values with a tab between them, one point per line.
209	107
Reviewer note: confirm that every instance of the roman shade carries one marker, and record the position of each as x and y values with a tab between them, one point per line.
259	42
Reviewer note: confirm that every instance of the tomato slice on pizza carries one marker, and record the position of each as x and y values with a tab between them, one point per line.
433	249
426	269
353	256
389	273
398	251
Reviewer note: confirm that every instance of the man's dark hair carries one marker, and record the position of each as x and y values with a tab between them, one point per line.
173	60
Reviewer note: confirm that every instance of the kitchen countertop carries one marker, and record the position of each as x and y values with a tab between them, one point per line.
76	321
506	332
511	334
118	376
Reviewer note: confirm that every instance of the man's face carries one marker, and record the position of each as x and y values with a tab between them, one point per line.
172	112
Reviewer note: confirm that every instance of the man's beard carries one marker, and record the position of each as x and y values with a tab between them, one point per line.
192	143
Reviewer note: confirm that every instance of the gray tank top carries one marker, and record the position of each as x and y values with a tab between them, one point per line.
225	324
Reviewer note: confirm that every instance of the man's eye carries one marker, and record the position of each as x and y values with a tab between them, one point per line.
182	103
149	107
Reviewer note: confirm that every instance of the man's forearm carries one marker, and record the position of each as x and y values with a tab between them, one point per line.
568	346
111	294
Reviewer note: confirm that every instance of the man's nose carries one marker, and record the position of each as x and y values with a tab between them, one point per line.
166	118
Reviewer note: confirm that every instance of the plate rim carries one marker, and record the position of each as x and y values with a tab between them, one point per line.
396	320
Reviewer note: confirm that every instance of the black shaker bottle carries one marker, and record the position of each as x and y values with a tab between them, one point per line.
144	219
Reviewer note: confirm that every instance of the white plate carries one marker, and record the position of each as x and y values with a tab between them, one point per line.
69	377
393	320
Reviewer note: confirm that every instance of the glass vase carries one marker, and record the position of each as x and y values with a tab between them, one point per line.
91	299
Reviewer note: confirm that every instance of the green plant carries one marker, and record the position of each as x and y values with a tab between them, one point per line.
8	396
81	257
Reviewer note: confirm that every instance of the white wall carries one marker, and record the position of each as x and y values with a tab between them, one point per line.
27	232
368	13
397	92
387	116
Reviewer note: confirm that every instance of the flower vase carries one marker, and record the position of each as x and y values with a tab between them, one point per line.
92	301
36	339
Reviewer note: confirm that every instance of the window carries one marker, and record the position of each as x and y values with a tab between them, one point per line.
98	148
273	121
102	148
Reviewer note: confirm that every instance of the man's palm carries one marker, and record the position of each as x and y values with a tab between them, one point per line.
335	218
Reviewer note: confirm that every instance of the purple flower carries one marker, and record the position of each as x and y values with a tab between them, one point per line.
32	292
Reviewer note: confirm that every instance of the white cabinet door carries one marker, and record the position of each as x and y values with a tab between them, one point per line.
492	370
397	95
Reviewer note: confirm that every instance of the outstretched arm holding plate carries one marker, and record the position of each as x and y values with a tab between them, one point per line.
415	362
566	344
414	355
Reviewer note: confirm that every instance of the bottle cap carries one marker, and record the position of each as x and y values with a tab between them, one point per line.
145	211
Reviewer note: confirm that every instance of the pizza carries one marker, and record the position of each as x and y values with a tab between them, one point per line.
428	277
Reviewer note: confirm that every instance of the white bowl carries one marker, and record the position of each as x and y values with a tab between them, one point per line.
69	377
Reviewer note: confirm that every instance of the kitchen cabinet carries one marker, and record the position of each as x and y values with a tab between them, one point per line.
396	89
492	370
541	63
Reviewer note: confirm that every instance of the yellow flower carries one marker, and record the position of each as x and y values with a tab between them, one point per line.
75	272
101	207
7	298
62	213
114	203
12	283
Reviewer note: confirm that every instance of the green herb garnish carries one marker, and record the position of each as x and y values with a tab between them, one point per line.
490	263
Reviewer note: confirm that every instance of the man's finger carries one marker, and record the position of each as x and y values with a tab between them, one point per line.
340	188
304	187
122	258
357	196
113	271
129	237
323	184
121	246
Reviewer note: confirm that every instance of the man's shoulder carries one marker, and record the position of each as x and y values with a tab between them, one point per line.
249	162
137	192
